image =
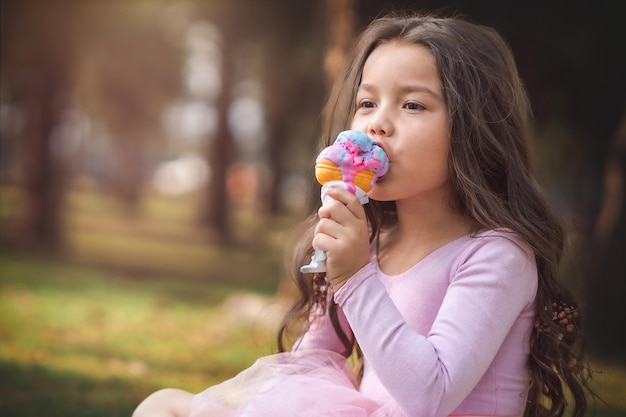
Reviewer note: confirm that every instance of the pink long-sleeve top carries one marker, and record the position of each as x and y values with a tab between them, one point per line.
450	336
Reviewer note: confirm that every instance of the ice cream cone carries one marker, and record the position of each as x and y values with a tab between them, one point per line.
326	170
354	163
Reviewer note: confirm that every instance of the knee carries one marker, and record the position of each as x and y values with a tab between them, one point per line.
168	402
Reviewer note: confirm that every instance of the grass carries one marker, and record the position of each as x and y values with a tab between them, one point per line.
136	303
107	340
59	319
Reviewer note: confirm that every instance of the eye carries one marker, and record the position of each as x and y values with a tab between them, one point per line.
414	106
366	104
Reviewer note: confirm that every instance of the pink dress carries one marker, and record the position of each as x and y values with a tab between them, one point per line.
450	336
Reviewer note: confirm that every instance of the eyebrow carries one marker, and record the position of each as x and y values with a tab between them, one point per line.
407	88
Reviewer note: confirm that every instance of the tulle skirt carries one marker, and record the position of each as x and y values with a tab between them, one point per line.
309	383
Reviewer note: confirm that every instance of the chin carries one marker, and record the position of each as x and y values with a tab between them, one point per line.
379	195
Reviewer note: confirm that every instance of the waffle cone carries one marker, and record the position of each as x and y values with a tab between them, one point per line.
326	170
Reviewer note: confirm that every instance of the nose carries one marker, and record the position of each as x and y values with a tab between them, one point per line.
380	125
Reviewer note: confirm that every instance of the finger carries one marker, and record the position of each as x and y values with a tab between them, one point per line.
351	235
337	212
344	214
325	211
349	200
324	241
329	227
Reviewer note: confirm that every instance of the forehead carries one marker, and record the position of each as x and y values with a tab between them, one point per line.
402	62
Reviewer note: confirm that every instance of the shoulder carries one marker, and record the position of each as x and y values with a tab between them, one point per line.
494	255
500	241
489	243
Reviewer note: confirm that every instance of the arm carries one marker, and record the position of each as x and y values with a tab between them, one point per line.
321	333
430	375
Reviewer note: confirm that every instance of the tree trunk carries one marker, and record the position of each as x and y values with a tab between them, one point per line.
127	177
341	15
277	137
607	270
41	177
36	59
216	209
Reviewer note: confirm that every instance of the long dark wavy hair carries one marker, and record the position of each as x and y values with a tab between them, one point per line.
490	127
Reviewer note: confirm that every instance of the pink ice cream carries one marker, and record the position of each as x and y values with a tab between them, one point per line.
353	158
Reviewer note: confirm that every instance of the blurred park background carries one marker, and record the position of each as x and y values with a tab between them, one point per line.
157	158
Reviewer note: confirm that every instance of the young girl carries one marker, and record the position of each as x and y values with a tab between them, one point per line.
444	287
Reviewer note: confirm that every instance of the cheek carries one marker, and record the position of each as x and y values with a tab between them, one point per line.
440	173
358	124
433	161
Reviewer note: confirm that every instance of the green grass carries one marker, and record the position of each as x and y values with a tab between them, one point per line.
136	303
103	340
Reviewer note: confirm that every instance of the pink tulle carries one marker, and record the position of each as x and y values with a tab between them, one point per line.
309	383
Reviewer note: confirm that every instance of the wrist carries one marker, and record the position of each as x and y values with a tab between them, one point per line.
338	281
345	291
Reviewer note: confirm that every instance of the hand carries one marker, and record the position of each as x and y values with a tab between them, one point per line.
343	233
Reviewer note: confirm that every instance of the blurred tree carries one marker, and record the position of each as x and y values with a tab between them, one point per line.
215	208
341	16
292	76
606	268
286	36
340	27
36	55
129	70
221	150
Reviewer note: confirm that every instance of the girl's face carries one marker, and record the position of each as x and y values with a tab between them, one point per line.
400	104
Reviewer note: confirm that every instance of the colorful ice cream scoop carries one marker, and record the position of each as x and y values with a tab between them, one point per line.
354	162
354	159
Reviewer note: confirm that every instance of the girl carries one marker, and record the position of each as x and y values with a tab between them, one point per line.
444	288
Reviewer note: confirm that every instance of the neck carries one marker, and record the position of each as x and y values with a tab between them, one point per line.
422	226
430	219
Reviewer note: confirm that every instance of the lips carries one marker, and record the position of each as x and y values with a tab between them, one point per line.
381	179
380	144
